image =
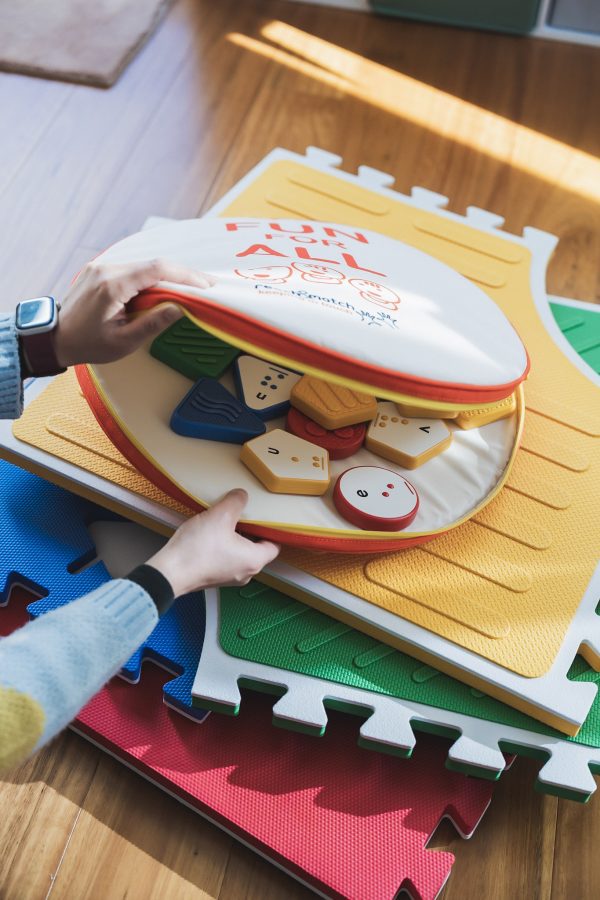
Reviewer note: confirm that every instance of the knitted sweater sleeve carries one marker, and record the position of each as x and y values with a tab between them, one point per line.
11	388
52	666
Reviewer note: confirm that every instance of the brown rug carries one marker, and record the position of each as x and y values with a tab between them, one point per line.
86	41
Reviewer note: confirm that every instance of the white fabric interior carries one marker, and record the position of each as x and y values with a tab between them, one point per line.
143	392
444	328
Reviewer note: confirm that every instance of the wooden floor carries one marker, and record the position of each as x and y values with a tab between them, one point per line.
493	121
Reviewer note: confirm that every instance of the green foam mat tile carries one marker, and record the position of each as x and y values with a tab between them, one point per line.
581	327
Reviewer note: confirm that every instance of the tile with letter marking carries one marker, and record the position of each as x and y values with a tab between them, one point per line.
264	387
408	442
287	464
375	498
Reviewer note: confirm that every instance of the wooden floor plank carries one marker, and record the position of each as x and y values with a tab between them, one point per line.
511	853
145	844
250	877
26	112
576	858
170	169
39	807
46	208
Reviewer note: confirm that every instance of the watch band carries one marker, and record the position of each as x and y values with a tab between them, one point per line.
38	355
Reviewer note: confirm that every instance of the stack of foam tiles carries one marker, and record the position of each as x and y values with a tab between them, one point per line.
347	823
344	820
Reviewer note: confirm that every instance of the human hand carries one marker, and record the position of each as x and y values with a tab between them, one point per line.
206	551
93	324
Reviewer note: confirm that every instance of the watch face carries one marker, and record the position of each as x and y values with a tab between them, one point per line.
35	314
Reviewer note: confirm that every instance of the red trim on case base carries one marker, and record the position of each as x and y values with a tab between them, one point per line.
290	539
303	352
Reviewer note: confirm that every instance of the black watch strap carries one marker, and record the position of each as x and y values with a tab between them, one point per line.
155	584
38	356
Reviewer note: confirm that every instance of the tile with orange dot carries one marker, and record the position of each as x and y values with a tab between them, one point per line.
375	498
287	464
332	405
403	440
476	418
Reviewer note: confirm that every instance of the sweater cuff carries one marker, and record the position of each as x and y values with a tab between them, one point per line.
11	386
156	586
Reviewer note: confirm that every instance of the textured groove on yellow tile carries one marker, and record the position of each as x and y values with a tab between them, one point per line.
535	478
443	601
474	242
82	435
573	414
481	558
78	438
553	442
353	195
522	530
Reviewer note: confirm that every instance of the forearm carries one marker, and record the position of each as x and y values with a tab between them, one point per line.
11	388
51	667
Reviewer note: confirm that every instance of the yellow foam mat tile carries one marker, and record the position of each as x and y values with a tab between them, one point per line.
74	435
508	584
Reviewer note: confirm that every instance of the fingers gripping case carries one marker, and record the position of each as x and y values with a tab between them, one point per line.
362	327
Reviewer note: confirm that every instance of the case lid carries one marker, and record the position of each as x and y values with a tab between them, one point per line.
350	306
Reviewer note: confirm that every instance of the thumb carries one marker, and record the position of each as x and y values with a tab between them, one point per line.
264	552
148	325
231	506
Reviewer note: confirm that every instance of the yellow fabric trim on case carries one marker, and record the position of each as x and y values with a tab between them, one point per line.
22	722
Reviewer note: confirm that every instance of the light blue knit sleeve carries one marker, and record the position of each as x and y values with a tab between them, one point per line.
11	387
62	659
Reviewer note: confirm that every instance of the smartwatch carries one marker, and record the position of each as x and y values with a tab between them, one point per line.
35	322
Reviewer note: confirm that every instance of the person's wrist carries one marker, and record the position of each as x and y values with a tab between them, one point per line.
156	586
64	355
168	568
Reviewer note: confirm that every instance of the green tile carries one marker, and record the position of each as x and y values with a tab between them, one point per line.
193	352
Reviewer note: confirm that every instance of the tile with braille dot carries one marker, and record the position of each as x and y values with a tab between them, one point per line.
375	499
264	387
286	464
485	415
405	441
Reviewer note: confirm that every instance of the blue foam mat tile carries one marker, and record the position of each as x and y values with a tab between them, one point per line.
44	538
175	644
